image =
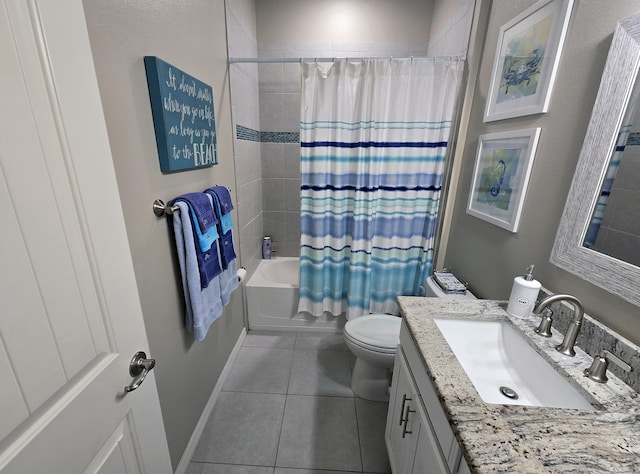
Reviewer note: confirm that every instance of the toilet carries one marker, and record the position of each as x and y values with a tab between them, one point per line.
373	339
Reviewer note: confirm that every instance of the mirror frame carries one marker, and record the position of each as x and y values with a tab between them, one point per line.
618	79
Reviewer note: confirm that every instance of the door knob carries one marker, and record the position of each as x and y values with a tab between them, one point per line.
139	367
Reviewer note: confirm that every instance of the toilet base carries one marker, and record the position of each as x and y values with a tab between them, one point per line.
371	382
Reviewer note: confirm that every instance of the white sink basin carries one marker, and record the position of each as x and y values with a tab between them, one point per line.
495	355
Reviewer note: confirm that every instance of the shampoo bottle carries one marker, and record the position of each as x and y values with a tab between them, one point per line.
266	248
523	295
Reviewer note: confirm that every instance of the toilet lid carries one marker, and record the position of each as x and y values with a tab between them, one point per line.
376	330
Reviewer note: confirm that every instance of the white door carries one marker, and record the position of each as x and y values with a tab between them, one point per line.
70	317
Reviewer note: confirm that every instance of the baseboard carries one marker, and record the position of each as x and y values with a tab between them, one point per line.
197	432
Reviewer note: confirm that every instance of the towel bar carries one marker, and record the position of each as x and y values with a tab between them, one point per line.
160	208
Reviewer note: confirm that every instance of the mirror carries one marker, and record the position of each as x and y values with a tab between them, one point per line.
575	248
614	228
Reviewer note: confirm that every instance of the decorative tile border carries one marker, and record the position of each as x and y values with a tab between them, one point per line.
246	133
280	137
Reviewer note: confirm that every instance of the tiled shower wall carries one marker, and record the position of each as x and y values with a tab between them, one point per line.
279	91
241	30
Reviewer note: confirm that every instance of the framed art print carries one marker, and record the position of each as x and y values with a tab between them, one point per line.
527	59
501	175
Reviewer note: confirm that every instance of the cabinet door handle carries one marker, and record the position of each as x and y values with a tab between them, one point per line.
405	399
405	431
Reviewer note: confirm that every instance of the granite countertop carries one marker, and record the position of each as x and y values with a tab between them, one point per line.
520	439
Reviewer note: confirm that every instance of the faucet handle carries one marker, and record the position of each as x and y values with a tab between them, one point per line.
598	370
544	328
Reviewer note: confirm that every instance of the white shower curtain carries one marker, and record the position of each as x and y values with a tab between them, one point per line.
374	136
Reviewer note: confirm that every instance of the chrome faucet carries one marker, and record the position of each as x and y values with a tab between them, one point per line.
598	370
566	346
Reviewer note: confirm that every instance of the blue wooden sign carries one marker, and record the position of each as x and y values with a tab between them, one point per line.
183	118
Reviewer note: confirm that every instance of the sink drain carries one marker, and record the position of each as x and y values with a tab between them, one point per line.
509	393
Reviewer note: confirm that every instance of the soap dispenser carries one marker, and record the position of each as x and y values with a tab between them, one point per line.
523	295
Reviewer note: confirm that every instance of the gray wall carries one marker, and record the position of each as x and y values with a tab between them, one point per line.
342	21
192	36
450	27
489	257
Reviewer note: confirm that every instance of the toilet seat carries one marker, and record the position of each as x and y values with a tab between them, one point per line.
375	332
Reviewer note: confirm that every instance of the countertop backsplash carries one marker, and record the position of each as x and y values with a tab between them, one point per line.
594	337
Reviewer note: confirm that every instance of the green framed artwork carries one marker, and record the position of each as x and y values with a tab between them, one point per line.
527	59
501	175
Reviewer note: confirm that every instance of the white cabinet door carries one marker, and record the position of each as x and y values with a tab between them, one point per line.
398	441
427	456
412	446
71	319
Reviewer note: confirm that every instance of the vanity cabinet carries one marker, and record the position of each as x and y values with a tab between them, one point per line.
418	436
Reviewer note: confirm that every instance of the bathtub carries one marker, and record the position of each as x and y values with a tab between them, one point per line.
272	299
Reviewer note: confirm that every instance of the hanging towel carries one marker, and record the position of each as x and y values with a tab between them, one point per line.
203	305
224	206
202	212
208	260
228	281
225	242
205	240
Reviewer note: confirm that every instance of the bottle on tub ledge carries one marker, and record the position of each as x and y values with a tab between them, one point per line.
523	295
266	248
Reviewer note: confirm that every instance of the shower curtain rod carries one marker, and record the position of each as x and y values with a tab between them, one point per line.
328	60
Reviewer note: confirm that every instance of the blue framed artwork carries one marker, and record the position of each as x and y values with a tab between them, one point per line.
501	176
527	59
183	117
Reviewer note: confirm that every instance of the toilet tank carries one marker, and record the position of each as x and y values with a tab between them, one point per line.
433	290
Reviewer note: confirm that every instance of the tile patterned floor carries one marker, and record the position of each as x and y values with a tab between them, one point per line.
287	408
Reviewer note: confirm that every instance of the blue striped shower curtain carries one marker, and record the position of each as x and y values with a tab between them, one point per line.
374	135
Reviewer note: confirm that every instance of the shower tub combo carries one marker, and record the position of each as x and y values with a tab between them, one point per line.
272	299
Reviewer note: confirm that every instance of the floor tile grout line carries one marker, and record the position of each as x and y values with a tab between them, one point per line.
284	409
255	393
232	464
319	396
355	409
293	353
